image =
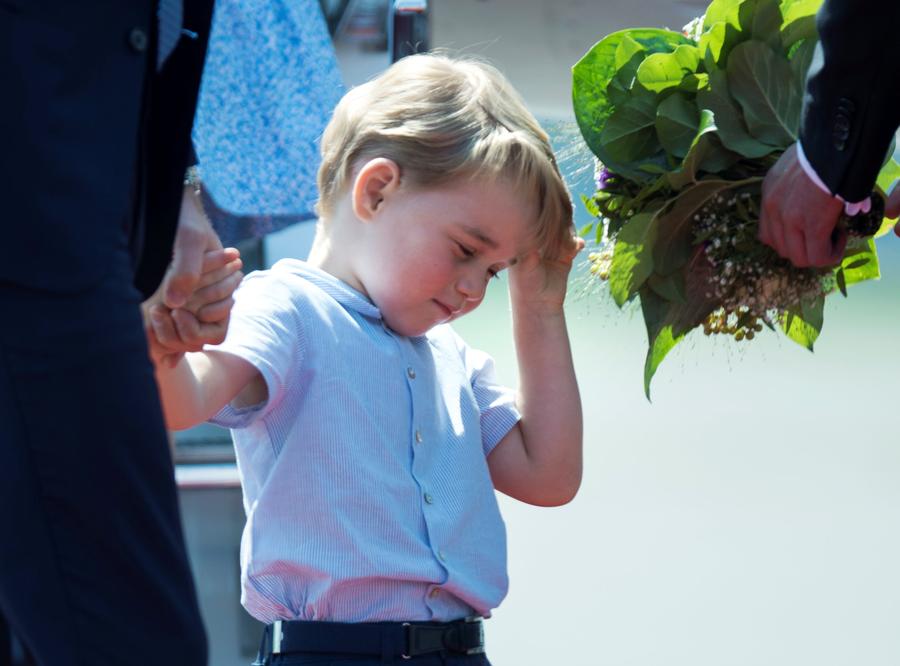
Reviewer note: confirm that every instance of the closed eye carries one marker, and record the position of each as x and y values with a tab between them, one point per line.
467	252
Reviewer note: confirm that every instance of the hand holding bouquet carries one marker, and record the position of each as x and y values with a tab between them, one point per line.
685	126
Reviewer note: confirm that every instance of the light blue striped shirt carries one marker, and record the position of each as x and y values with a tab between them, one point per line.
365	477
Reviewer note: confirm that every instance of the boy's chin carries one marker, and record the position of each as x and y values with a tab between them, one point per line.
409	329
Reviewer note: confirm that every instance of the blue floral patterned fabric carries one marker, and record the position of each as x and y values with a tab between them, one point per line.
270	83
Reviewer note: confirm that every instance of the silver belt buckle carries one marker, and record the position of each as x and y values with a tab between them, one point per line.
277	636
476	619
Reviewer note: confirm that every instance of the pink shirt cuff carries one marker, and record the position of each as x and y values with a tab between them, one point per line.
851	208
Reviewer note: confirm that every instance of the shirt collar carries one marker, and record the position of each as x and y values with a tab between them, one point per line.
340	291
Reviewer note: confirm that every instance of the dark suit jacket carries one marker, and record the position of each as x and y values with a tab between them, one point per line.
95	141
852	103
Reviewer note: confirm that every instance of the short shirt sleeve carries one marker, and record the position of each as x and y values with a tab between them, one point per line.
496	402
265	330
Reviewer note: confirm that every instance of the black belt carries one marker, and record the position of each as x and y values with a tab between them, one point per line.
386	639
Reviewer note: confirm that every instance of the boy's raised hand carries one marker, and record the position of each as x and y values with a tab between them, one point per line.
539	283
204	317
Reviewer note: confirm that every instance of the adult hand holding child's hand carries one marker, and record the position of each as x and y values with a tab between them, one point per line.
203	319
191	306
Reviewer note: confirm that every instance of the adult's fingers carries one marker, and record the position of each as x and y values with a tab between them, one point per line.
187	265
163	327
824	250
795	244
214	292
838	246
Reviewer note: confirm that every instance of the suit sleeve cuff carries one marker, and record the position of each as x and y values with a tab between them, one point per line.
851	208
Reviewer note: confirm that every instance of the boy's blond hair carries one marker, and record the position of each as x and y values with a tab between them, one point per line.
439	119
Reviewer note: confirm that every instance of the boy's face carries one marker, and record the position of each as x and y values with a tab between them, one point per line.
430	253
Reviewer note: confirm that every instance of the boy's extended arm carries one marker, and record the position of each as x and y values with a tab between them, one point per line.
540	460
202	383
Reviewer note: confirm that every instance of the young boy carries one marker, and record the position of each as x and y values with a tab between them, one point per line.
369	437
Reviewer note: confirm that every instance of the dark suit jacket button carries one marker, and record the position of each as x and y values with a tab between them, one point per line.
846	105
137	39
839	139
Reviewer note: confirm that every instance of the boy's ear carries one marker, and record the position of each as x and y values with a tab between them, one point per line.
378	179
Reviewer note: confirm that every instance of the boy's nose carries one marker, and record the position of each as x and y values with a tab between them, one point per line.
471	286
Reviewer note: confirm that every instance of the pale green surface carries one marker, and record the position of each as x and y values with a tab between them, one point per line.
748	516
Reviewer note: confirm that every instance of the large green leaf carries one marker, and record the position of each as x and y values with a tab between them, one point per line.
715	44
677	120
675	222
668	321
629	141
889	173
804	323
632	261
799	20
728	118
671	287
660	346
661	71
761	21
860	263
794	10
592	74
722	11
629	55
700	150
763	84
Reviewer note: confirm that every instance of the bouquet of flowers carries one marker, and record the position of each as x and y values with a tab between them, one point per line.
684	126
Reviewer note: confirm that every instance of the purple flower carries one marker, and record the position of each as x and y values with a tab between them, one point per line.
600	178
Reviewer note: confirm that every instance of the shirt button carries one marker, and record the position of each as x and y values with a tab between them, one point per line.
137	39
429	499
418	436
410	373
442	556
434	592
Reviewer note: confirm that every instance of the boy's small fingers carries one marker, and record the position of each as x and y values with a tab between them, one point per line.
195	334
188	329
163	326
215	312
213	333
